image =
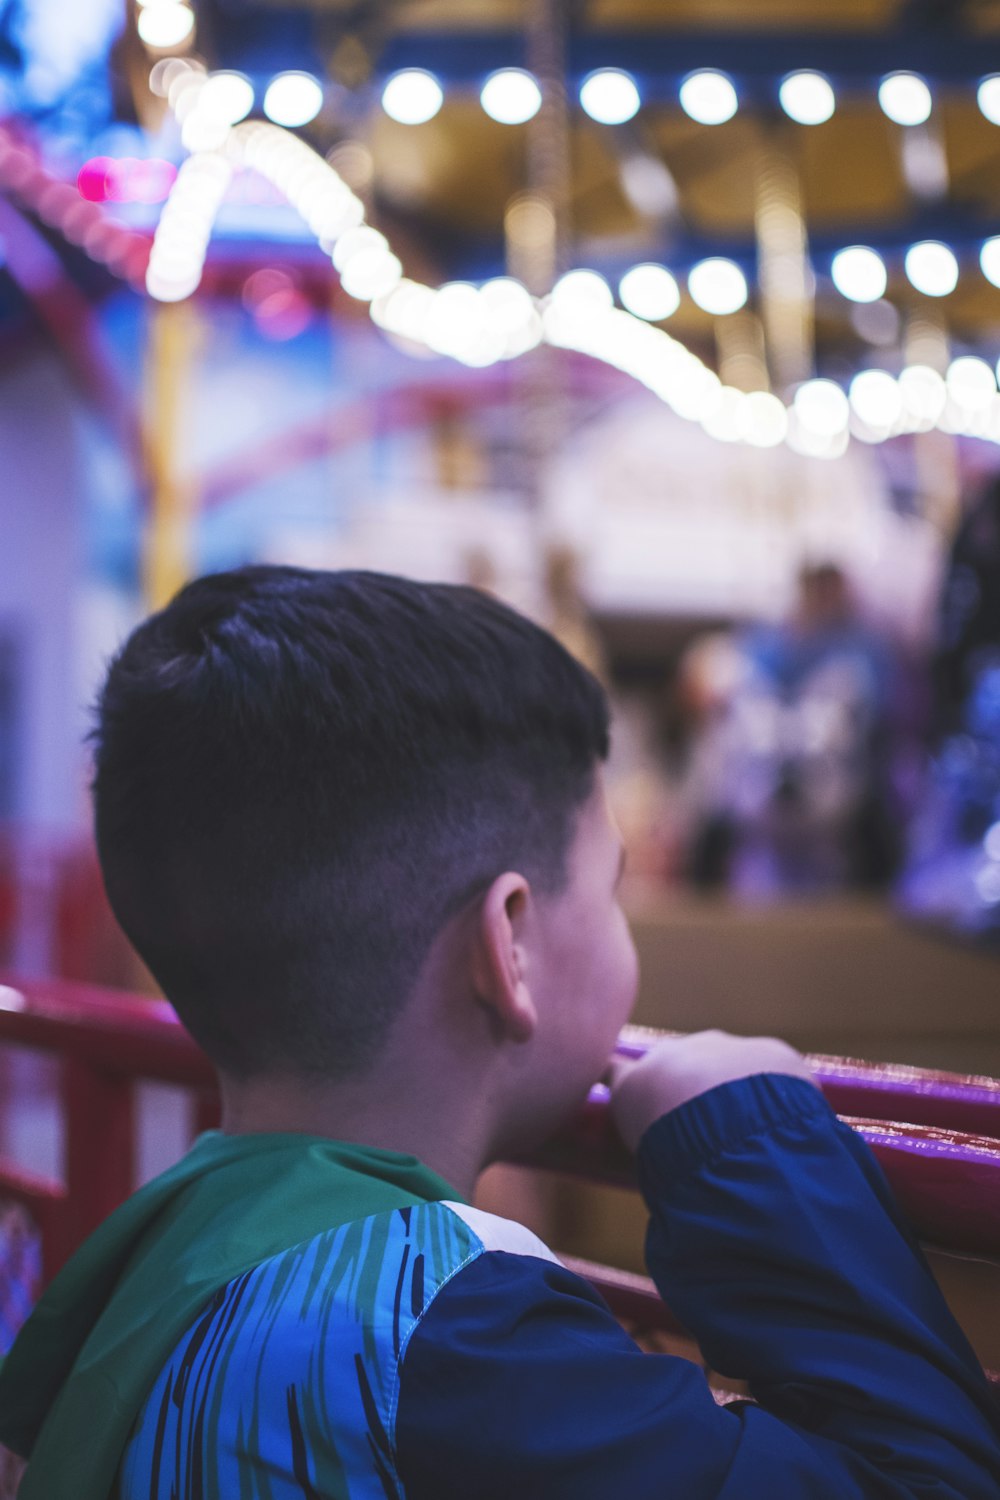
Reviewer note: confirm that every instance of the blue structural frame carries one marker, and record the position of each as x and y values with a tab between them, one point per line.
756	59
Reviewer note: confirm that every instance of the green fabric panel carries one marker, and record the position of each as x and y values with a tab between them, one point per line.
78	1372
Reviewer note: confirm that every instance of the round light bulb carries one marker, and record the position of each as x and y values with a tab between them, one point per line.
412	96
709	97
227	97
763	420
924	392
610	96
905	98
691	388
876	398
363	241
649	291
511	316
859	274
971	383
455	318
718	286
509	302
404	310
724	417
165	25
372	274
163	73
586	287
822	407
169	289
989	260
807	97
988	98
293	99
932	268
511	96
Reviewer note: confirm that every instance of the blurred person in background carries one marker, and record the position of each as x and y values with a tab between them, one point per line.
968	635
789	777
952	873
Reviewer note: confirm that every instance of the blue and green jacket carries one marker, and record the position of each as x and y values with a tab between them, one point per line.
283	1317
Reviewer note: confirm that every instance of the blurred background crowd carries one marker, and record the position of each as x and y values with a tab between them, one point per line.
674	324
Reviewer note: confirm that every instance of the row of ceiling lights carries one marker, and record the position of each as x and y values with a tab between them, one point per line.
611	96
718	285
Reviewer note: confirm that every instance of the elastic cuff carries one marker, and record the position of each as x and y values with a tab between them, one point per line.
720	1119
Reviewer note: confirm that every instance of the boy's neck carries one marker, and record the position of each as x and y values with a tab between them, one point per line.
453	1142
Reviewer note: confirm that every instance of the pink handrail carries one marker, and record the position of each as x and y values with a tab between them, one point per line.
937	1135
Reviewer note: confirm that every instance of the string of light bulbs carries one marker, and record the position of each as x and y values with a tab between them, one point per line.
609	95
500	320
413	96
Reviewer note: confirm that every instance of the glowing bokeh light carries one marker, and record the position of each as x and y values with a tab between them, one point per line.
455	318
822	407
718	286
971	383
369	276
859	274
226	96
989	260
988	98
125	179
293	99
932	268
876	398
649	291
412	97
610	96
807	97
163	26
709	97
583	287
924	393
165	71
905	98
511	96
763	420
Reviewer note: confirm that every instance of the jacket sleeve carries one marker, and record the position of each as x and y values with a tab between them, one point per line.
775	1239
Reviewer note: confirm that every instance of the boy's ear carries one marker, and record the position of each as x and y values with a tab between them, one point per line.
498	958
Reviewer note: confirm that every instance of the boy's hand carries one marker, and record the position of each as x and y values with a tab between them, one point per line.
679	1068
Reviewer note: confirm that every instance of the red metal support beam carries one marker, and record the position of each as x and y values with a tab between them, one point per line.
99	1134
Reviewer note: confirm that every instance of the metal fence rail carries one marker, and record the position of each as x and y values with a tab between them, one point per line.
937	1135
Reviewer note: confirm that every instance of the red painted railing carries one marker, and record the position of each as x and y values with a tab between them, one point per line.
937	1135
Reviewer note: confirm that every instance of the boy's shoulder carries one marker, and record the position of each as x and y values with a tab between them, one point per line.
294	1367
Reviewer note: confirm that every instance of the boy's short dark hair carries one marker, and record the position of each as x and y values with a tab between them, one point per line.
301	776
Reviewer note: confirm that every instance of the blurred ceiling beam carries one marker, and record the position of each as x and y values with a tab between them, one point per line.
946	55
930	13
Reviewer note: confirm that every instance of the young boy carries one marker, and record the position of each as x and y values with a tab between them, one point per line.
357	828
